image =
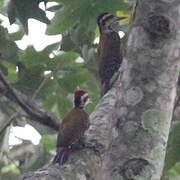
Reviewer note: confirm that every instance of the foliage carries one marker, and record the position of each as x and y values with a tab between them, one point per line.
25	10
172	167
173	173
77	19
1	3
43	153
52	81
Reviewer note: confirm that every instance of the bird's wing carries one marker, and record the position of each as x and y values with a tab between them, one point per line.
73	128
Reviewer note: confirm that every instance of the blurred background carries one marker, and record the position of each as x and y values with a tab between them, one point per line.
48	50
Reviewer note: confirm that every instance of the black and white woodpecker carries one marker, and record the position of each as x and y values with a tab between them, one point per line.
109	49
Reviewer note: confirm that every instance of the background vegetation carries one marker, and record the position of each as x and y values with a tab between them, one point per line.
50	76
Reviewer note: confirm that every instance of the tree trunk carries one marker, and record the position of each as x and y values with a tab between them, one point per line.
129	129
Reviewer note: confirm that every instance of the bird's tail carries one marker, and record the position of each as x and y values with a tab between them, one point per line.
62	155
106	85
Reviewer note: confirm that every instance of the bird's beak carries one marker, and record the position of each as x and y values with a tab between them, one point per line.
116	18
115	23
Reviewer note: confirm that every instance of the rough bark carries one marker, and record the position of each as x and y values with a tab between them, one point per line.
129	129
148	91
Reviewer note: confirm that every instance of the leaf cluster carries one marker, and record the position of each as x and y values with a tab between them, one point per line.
52	81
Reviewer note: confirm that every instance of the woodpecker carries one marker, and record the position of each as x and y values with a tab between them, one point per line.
72	128
109	49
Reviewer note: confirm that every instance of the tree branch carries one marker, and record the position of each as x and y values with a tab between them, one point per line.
86	163
133	131
9	122
35	112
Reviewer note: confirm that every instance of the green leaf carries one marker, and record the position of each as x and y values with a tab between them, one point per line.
32	58
12	74
83	12
48	142
1	3
64	105
3	33
24	10
10	168
174	172
66	43
8	49
16	35
172	154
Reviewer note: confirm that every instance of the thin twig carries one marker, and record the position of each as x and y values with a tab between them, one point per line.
14	115
39	88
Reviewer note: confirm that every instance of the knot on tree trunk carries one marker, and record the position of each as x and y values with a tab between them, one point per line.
159	26
135	167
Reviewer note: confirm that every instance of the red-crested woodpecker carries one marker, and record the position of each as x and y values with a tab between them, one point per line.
72	128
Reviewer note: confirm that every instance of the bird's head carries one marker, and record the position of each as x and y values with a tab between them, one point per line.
80	98
106	21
